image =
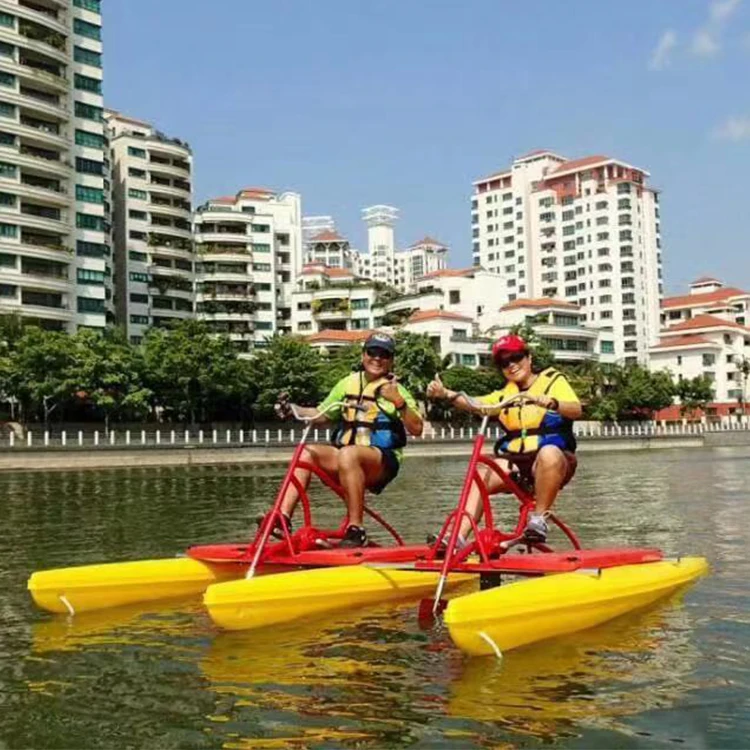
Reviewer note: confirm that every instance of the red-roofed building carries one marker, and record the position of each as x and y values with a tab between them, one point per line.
328	340
706	333
586	231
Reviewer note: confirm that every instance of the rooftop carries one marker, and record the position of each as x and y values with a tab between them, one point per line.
703	298
449	272
704	321
428	241
327	236
320	268
347	337
421	315
679	342
539	303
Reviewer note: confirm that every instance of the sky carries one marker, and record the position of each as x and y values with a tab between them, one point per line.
407	102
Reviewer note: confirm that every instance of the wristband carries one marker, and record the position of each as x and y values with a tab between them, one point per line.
401	406
453	398
555	405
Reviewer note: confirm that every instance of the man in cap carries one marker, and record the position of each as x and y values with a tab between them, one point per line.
368	441
538	435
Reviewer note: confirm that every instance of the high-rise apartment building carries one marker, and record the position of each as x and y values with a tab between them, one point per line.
54	212
381	244
153	248
584	230
249	253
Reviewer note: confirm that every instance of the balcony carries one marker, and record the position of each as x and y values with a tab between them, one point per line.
43	39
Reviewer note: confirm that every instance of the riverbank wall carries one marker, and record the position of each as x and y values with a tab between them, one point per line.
79	451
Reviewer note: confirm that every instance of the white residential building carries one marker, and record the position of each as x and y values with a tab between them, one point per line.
153	248
381	243
330	249
558	323
584	230
55	267
249	252
332	299
705	333
472	292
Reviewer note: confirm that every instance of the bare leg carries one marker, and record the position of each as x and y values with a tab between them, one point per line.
358	468
323	456
474	503
550	471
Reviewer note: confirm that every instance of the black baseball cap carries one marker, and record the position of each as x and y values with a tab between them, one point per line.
380	341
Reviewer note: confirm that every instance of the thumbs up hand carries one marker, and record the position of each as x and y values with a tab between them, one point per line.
436	390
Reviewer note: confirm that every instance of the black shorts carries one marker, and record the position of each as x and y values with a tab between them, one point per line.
389	472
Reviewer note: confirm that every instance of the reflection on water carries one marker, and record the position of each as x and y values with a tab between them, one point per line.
162	676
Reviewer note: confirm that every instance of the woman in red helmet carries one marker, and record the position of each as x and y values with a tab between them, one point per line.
538	431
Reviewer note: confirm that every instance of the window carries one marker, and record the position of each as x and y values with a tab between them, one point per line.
140	194
139	152
134	235
568	215
7	139
569	229
140	299
8	110
88	194
507	196
263	325
89	166
92	5
91	249
602	236
709	360
87	57
139	215
454	297
468	360
601	220
8	230
92	140
90	30
84	83
260	247
623	187
7	199
86	276
261	266
88	111
260	228
605	299
360	304
606	314
135	255
90	305
90	221
139	173
604	283
7	79
7	50
140	320
136	276
607	347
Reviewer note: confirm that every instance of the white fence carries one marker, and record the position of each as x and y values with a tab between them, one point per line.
40	439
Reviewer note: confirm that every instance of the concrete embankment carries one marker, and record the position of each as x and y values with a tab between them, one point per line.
106	457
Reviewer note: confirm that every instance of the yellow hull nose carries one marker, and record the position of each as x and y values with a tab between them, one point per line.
524	612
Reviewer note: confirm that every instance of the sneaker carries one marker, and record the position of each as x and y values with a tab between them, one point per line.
355	536
536	529
276	529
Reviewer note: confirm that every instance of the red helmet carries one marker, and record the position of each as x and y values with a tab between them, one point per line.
508	345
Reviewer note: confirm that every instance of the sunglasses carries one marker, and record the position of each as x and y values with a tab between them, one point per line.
378	353
512	359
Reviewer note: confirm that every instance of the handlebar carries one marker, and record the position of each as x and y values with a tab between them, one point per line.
336	404
492	409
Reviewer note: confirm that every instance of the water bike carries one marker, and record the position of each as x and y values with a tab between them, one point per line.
558	592
95	587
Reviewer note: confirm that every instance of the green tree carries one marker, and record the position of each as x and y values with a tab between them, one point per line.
474	382
193	373
694	394
107	372
339	364
38	370
639	394
287	364
417	362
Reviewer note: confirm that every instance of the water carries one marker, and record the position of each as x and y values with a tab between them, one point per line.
677	674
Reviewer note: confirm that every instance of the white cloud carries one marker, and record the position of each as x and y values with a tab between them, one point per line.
734	129
721	10
705	43
707	38
662	52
